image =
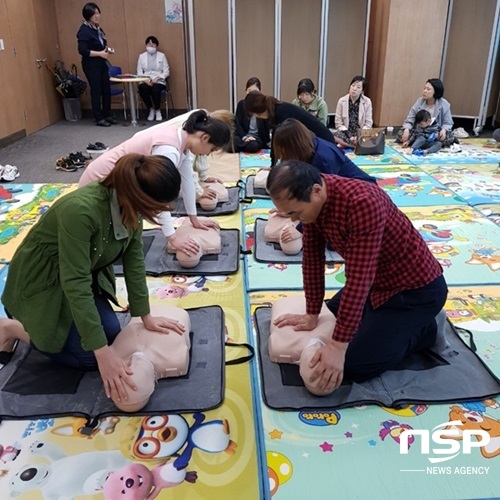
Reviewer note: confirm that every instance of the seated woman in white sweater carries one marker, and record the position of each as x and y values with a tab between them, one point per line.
155	65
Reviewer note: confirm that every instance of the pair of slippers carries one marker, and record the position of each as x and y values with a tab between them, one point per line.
8	173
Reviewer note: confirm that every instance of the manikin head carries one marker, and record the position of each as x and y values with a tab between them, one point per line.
190	261
306	371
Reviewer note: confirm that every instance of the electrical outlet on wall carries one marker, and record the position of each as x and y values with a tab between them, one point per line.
2	44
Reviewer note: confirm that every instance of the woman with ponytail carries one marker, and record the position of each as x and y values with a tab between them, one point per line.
61	278
276	112
200	135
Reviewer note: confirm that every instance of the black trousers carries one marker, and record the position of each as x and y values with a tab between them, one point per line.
97	74
151	95
403	325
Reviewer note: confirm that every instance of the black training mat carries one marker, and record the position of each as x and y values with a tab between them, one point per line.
271	252
222	208
29	388
457	375
160	263
252	192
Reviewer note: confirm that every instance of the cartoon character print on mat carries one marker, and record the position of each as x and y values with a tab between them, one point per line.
441	191
79	428
394	430
320	418
137	482
181	286
277	266
485	256
413	410
472	419
432	234
61	476
35	426
9	453
279	470
155	438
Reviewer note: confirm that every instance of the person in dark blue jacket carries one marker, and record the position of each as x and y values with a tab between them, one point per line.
93	47
293	141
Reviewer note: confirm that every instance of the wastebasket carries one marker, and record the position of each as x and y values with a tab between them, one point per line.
72	109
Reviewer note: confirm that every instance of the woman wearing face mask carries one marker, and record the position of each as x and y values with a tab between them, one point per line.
354	111
155	65
308	99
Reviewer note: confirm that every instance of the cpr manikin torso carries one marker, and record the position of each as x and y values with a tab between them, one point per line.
260	180
221	195
152	355
288	346
273	233
208	240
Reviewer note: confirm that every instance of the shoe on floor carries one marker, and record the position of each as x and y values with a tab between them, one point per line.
455	148
65	164
158	116
9	173
151	115
460	133
98	147
418	152
111	120
103	123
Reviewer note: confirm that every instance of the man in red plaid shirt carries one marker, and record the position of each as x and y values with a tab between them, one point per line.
394	286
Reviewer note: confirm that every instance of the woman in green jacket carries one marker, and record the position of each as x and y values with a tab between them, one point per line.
61	277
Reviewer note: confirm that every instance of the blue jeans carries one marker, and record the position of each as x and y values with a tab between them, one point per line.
73	354
386	335
431	146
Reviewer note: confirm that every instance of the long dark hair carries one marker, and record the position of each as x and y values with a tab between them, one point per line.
200	121
257	102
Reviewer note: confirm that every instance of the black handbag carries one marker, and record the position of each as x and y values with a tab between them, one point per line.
371	141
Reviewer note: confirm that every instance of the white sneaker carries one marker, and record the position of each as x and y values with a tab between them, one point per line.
10	173
151	115
455	148
460	133
158	115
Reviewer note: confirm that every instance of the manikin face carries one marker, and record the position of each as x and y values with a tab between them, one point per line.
303	211
428	92
356	89
306	98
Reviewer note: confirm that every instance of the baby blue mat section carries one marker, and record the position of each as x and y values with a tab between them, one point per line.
390	157
251	160
409	186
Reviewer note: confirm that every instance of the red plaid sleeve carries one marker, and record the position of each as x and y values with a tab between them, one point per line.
313	268
366	223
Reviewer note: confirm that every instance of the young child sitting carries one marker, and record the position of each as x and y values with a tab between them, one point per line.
426	137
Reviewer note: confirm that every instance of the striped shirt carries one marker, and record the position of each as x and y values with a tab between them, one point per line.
384	254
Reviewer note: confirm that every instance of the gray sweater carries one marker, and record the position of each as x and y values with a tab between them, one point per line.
442	113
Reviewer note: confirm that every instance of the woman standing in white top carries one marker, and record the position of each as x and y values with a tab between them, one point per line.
155	65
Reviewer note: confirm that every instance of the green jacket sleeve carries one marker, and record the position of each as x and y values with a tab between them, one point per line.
134	271
76	227
323	113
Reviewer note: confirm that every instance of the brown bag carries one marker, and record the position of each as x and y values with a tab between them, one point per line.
371	141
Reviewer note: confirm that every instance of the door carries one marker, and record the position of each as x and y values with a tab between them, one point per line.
31	75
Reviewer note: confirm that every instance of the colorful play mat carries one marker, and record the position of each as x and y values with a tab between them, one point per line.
453	199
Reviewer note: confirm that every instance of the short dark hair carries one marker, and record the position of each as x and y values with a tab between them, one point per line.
297	178
359	78
438	86
153	39
253	81
89	9
306	85
422	116
200	121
